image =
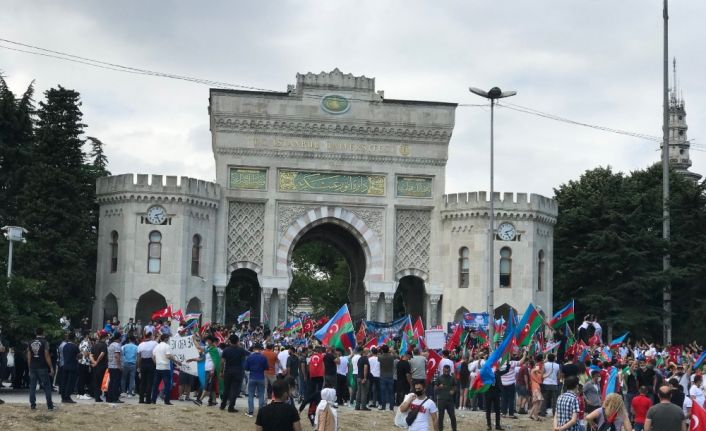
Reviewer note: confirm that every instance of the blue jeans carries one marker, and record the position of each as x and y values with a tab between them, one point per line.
162	376
387	393
40	375
128	383
259	386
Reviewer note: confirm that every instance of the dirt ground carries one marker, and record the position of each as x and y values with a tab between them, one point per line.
183	416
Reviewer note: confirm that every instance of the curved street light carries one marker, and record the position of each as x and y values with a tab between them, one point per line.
493	94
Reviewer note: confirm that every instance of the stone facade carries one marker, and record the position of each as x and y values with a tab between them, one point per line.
328	158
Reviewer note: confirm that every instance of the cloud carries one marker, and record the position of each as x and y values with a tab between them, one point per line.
593	61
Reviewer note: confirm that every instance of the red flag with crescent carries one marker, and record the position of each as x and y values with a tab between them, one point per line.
698	418
432	364
360	335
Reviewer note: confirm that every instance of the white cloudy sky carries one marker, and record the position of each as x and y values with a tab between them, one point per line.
595	61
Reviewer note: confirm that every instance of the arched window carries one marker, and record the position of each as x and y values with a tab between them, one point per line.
195	254
505	267
114	251
154	254
540	271
463	267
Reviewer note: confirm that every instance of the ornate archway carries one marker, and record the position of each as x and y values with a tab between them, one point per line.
148	303
110	307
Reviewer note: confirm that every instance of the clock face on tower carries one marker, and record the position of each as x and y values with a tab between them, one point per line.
506	232
156	214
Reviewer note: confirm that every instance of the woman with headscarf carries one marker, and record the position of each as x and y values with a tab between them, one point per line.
326	417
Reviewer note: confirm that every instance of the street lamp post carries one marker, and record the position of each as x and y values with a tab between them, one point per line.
493	94
12	234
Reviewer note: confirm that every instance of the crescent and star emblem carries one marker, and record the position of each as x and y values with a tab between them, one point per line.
333	329
694	422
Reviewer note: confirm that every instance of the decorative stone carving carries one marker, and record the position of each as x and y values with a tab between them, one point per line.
288	214
413	236
246	226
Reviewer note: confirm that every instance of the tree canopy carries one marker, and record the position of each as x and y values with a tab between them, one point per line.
608	251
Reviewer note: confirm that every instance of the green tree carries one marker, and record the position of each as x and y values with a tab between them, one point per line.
57	206
24	307
320	274
608	248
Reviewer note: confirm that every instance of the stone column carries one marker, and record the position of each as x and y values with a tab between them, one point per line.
220	304
389	297
434	310
266	311
282	305
372	306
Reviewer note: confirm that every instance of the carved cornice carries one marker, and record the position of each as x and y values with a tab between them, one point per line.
152	198
350	130
286	154
509	215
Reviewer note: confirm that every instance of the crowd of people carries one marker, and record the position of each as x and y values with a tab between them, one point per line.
287	375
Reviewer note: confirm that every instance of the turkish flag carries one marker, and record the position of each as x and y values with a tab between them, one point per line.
698	418
162	314
370	344
360	335
455	338
432	364
178	316
308	326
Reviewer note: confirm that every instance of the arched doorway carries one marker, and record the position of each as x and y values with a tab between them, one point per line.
458	316
242	294
328	267
410	298
504	312
193	306
110	307
148	304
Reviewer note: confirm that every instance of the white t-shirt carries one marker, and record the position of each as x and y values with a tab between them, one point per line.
374	366
697	395
282	359
159	354
342	367
425	412
145	349
551	370
208	365
354	361
687	405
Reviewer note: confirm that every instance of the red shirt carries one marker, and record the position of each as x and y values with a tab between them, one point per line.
640	405
316	365
271	357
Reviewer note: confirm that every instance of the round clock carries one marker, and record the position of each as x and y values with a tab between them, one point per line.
156	214
506	232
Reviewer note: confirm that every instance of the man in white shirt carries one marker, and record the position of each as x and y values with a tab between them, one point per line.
162	355
342	394
426	409
508	377
145	366
282	357
354	362
375	373
445	360
551	385
696	392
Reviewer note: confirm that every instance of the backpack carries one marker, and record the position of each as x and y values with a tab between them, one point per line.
327	422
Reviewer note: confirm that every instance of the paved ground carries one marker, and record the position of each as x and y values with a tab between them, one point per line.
16	416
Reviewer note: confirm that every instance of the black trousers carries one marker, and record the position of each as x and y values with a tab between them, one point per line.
232	383
146	379
342	394
84	380
492	403
116	377
69	383
98	381
450	407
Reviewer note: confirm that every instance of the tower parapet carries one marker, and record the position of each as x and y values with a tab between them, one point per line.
679	145
508	205
157	187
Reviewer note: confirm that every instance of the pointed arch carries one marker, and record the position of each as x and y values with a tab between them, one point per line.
458	316
110	307
148	303
194	305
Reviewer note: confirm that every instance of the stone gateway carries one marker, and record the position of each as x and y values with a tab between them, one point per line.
330	159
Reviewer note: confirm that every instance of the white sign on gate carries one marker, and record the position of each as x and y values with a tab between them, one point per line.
182	349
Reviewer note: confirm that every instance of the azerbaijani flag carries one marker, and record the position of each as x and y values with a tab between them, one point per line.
584	354
498	329
409	330
245	317
404	345
531	321
606	354
563	316
551	346
191	320
338	331
612	382
481	336
293	327
700	360
487	372
618	341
